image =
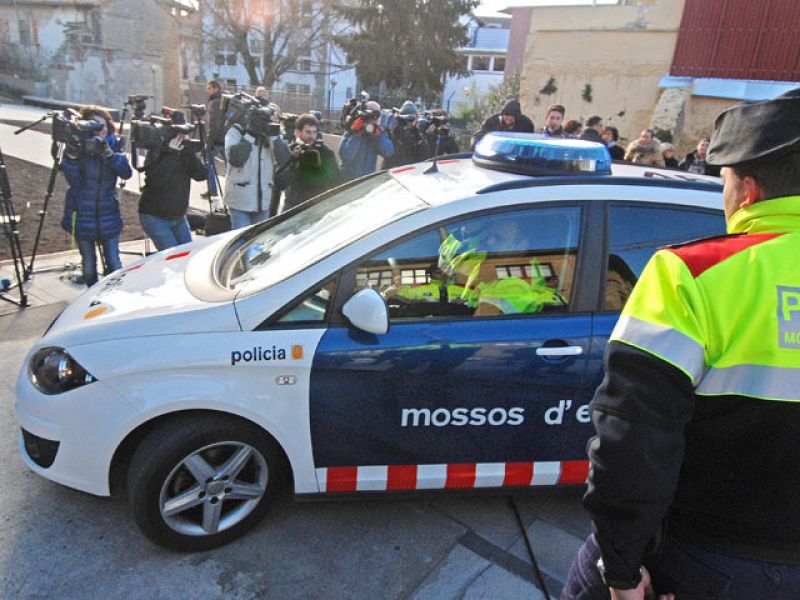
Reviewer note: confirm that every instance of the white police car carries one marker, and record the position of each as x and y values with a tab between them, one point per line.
416	329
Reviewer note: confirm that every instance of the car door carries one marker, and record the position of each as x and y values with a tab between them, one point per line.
481	368
635	232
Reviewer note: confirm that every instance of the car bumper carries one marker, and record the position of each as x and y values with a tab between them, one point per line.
70	438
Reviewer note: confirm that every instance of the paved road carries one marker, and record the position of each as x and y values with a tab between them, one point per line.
56	542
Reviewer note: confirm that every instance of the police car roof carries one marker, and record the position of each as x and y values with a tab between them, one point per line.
458	177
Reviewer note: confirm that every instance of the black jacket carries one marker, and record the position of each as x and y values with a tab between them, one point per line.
617	152
703	465
305	181
590	135
167	181
410	146
690	159
216	121
447	144
495	122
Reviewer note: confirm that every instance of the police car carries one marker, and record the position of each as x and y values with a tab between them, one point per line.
438	326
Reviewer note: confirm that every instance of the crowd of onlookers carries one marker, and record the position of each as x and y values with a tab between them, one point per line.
646	150
269	172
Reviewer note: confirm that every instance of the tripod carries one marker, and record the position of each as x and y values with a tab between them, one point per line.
8	216
56	151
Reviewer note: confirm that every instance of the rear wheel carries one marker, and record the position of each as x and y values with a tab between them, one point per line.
202	481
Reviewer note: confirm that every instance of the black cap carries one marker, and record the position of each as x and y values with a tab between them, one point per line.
756	131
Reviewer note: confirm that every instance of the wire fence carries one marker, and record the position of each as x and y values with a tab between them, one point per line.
288	101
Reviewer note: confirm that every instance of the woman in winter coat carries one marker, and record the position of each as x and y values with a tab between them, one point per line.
646	150
91	166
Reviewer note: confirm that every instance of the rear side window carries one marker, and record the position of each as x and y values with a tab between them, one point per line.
636	232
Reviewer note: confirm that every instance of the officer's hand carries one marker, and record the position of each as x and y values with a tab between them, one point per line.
644	591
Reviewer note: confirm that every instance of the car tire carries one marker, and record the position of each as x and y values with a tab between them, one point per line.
201	481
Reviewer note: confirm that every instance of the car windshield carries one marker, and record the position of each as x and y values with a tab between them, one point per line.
262	258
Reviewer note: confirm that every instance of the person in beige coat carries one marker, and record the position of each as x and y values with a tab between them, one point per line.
646	150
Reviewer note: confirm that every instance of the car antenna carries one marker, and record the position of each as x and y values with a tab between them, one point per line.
434	168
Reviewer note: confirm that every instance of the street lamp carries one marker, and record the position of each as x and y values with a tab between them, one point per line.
330	96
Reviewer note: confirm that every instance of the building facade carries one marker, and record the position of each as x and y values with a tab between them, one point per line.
485	58
670	65
99	51
319	78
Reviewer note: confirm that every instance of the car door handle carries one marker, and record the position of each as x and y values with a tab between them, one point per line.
559	351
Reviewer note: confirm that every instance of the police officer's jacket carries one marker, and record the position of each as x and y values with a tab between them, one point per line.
698	417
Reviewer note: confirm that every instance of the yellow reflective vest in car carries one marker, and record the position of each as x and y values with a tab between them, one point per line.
726	311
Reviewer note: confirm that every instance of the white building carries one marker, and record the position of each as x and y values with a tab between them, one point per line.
484	56
320	79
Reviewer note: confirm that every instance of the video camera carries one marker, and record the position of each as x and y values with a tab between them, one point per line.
81	135
437	119
139	104
355	108
247	112
156	132
198	111
309	154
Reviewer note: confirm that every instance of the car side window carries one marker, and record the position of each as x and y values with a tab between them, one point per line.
310	309
515	262
636	232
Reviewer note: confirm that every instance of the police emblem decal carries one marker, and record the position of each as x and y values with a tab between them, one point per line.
789	317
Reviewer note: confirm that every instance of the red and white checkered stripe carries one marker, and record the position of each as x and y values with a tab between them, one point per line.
453	476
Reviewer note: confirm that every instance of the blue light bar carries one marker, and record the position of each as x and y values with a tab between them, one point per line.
535	154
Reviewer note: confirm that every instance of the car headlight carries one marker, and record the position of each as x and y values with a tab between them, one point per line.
53	371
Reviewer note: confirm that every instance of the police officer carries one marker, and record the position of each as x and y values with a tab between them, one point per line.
694	488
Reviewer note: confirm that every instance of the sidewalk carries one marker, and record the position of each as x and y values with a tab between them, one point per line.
51	284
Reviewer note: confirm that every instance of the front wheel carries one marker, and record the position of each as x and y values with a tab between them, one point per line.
202	481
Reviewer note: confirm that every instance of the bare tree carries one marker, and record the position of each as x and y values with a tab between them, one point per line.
269	36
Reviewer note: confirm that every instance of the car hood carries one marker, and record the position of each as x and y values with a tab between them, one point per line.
149	297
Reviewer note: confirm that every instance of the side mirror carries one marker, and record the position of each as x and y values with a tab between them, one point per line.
366	309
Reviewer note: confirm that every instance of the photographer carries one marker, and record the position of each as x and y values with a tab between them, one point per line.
93	160
437	134
216	120
364	141
253	149
410	146
165	196
313	169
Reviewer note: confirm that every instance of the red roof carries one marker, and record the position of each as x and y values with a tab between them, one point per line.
739	39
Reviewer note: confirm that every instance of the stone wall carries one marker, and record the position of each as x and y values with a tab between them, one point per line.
620	51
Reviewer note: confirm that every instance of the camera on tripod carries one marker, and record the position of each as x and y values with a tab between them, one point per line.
139	104
246	112
79	135
155	133
198	111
